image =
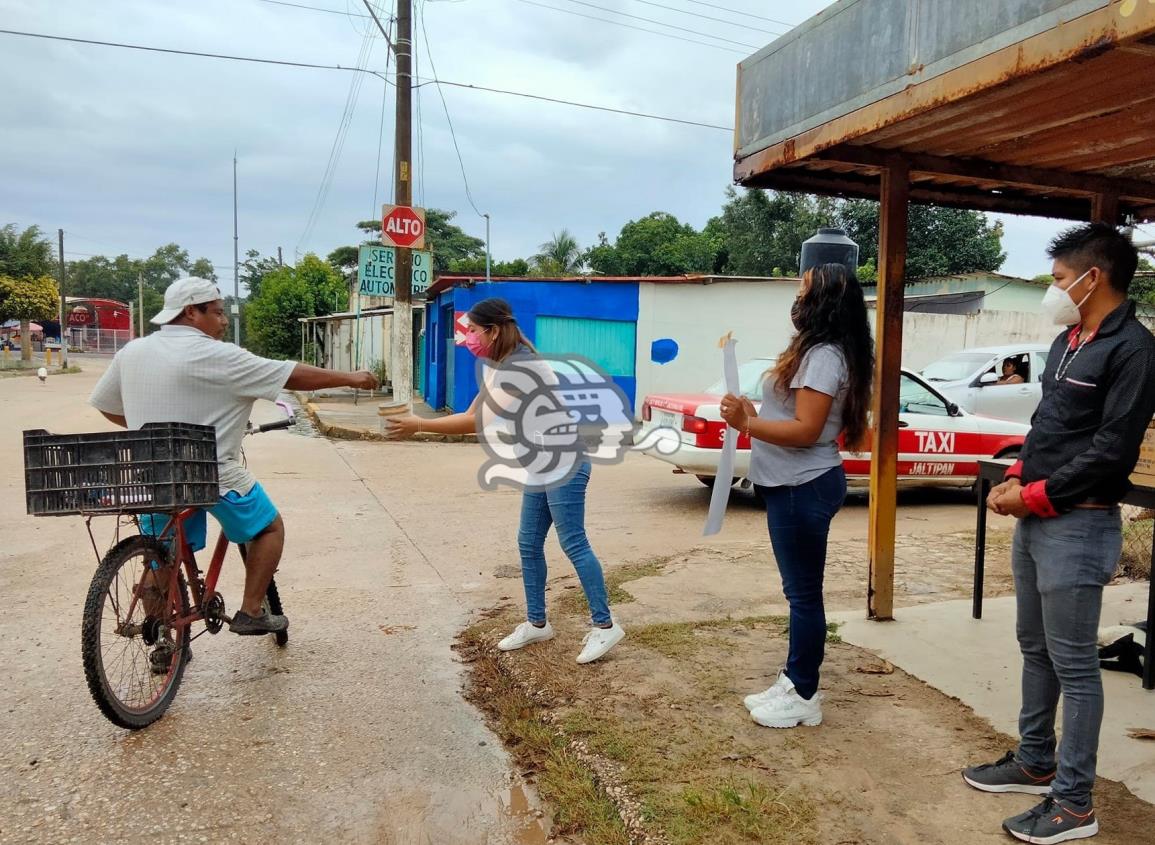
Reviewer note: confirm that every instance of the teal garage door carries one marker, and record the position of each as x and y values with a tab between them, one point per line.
611	344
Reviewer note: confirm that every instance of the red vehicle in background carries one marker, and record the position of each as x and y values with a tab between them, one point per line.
938	443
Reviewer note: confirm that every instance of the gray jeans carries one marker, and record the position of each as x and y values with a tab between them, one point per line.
1060	567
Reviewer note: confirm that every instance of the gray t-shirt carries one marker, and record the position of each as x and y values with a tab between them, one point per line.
180	374
823	369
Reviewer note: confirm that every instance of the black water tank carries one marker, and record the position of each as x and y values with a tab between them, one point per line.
829	246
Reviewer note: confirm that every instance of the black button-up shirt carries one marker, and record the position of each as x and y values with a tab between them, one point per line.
1097	403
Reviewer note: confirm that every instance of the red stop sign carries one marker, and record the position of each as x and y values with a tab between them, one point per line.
403	226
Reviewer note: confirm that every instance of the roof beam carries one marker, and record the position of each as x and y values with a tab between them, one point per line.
846	185
1081	184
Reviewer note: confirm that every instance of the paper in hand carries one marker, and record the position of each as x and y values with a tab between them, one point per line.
721	494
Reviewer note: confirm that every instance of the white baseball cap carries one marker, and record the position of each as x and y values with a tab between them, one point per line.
184	292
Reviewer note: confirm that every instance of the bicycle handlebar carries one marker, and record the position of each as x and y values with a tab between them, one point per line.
275	426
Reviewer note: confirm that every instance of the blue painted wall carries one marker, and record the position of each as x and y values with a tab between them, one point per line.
529	299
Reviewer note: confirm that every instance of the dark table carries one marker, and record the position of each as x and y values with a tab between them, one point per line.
991	473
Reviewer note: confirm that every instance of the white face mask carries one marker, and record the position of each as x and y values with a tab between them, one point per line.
1060	307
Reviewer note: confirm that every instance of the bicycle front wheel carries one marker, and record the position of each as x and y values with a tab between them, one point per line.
134	652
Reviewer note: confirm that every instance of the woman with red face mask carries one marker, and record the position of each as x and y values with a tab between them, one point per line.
495	336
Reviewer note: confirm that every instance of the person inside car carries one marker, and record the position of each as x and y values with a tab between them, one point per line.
1011	373
184	373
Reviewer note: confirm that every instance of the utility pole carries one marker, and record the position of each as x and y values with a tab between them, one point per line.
236	264
403	193
280	260
63	340
140	299
486	216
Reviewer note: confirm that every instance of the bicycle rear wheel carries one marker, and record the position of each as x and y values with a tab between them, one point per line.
134	654
273	605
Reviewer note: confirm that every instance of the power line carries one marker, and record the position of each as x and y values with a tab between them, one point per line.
195	53
706	17
338	147
314	8
381	128
577	104
387	80
449	120
740	12
631	26
660	23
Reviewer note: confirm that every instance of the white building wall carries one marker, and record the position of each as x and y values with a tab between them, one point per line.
695	316
928	337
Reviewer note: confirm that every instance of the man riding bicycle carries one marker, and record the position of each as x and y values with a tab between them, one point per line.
183	373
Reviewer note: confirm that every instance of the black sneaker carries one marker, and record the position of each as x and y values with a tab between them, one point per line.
1051	822
252	626
1008	775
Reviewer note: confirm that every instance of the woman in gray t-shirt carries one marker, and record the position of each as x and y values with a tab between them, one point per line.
817	392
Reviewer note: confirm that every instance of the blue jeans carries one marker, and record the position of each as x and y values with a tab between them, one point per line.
1061	566
799	522
565	508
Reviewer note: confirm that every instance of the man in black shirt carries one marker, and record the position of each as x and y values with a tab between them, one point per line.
1098	399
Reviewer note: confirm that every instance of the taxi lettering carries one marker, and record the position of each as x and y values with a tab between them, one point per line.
941	442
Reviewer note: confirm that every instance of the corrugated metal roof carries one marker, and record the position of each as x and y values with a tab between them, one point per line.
451	280
1037	126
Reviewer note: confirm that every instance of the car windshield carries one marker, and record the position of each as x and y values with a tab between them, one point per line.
955	367
749	379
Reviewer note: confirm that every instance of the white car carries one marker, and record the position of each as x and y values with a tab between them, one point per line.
938	442
970	378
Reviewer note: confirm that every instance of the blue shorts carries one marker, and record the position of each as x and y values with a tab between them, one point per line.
241	518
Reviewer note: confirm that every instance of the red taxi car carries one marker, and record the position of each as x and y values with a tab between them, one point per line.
937	441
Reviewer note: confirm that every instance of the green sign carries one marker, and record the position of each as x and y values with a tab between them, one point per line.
377	268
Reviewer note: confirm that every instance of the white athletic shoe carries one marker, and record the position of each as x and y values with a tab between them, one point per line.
598	641
781	685
789	710
525	634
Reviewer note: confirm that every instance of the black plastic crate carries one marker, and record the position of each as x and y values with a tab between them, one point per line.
160	467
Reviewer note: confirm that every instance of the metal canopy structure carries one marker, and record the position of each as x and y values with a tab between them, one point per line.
1041	107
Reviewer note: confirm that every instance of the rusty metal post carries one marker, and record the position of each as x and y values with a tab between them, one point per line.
1105	209
892	239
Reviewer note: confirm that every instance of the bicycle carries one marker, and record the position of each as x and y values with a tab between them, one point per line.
137	621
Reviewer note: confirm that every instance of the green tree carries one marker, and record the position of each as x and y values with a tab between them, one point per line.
561	255
476	266
202	268
26	254
760	233
254	269
344	258
28	298
1143	286
310	289
655	245
942	241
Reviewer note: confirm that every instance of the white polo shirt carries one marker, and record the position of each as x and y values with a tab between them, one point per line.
180	374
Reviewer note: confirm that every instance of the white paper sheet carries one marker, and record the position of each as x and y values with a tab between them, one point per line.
721	494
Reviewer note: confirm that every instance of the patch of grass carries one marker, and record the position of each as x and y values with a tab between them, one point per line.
574	601
580	807
832	635
678	639
728	811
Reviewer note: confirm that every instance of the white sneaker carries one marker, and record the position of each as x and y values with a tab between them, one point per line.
789	710
598	641
525	634
780	686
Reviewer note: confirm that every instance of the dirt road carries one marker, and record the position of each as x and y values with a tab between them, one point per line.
355	733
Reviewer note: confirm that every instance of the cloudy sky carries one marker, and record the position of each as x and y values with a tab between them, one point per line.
126	150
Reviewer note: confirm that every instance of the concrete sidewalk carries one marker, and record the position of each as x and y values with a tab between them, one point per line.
345	414
978	662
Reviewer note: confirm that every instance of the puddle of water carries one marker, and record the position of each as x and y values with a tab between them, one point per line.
528	828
